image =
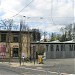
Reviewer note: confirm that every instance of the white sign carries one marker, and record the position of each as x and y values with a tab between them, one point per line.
22	55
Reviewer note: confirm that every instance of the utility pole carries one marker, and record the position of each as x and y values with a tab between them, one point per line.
30	48
9	38
27	40
20	43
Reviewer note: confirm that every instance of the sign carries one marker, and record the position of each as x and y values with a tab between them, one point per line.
15	46
22	55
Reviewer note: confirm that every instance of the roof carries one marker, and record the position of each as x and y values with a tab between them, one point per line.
56	41
71	41
6	31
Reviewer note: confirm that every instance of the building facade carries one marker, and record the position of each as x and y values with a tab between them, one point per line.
11	43
14	43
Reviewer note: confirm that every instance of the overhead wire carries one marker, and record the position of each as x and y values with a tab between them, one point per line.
52	12
34	17
58	17
37	19
17	13
21	10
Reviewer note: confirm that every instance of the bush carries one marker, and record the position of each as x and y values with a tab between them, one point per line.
41	50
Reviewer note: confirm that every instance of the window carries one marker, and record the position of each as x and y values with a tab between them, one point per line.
3	37
15	38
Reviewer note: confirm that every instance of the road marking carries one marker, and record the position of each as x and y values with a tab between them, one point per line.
39	68
47	71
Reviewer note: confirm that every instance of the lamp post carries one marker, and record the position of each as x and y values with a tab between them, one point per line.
26	29
22	28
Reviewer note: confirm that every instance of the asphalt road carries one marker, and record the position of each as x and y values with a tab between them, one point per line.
7	72
54	67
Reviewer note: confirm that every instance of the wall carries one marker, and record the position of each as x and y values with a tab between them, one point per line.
25	44
58	50
67	51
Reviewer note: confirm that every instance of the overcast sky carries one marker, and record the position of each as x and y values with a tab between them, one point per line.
48	15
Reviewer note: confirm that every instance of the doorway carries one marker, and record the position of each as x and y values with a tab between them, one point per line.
15	52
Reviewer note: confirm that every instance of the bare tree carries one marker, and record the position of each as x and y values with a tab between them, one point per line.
45	34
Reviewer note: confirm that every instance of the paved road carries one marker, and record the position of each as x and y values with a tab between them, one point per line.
7	72
63	66
54	66
42	71
27	71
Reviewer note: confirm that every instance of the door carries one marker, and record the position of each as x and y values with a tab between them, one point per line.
15	52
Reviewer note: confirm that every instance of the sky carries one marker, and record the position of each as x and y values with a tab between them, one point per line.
47	15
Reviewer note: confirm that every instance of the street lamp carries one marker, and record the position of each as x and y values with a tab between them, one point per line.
22	24
25	28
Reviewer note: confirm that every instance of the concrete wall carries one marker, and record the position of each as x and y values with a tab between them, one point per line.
58	50
61	52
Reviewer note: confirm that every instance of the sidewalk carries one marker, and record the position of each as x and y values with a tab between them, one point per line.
65	66
47	63
25	64
17	64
